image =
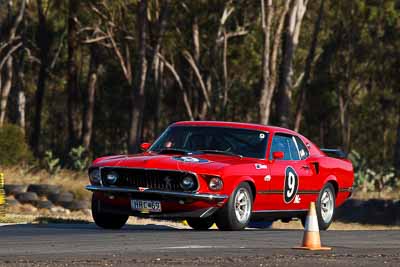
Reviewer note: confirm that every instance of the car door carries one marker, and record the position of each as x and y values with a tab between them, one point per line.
287	174
309	185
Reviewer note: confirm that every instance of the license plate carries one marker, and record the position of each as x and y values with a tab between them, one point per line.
146	205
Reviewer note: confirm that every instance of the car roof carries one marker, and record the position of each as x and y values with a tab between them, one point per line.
252	126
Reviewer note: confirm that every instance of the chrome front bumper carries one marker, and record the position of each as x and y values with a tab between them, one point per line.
197	196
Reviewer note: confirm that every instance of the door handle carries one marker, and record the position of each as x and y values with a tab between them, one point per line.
306	167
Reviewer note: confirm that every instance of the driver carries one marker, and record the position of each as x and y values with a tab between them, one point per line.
198	142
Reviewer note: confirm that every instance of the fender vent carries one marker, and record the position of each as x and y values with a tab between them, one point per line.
316	167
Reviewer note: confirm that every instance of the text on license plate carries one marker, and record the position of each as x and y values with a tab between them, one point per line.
146	205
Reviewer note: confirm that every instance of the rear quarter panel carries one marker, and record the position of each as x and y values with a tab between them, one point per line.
339	172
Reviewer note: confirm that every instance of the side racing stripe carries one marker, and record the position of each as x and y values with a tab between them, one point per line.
300	192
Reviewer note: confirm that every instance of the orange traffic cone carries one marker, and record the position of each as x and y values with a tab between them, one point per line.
311	238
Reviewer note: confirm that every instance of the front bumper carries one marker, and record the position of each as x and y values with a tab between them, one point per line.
163	194
175	204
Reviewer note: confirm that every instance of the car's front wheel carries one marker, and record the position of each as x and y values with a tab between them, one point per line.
236	213
200	223
106	220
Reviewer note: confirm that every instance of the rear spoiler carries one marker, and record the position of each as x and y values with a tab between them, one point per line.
334	153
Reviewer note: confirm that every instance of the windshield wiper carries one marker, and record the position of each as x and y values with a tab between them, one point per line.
210	151
173	150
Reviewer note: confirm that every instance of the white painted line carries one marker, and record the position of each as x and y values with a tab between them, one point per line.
8	224
192	247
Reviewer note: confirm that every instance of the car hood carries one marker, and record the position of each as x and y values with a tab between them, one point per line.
200	163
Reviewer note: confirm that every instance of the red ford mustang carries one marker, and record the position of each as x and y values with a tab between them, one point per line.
221	172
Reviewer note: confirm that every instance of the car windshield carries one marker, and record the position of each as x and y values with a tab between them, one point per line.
215	140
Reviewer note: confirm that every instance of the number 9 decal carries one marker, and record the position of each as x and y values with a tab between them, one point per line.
291	184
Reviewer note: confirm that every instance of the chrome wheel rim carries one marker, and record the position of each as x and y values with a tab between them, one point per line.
242	205
327	205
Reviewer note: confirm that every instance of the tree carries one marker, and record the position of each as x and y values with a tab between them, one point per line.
73	102
270	54
293	23
307	68
89	97
138	94
397	151
157	65
43	43
7	48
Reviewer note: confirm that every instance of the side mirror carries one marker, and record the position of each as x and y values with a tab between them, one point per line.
145	146
278	155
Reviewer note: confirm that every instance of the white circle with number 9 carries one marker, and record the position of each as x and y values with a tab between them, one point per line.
291	184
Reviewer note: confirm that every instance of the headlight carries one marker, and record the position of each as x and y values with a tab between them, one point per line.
187	183
94	176
112	177
215	184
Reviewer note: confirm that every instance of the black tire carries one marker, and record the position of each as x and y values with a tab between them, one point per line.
27	198
14	189
323	225
44	204
53	197
200	223
107	220
12	202
63	199
43	189
226	218
78	205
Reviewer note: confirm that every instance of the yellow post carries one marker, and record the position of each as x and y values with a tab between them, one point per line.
2	195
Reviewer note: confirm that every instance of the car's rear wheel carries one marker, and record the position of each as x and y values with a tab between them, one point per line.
325	207
236	213
106	220
200	223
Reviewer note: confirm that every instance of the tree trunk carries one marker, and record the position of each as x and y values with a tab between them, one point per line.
344	116
266	95
138	96
21	110
87	120
225	76
44	45
5	90
397	150
20	85
160	95
157	65
292	33
195	95
307	69
72	76
270	56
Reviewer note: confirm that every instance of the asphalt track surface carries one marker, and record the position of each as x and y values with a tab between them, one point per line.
149	245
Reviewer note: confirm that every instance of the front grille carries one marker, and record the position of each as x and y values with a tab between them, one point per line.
153	179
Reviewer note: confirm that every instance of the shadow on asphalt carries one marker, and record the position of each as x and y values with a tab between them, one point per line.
91	226
126	228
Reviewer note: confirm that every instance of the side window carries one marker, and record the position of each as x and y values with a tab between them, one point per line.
286	144
303	151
